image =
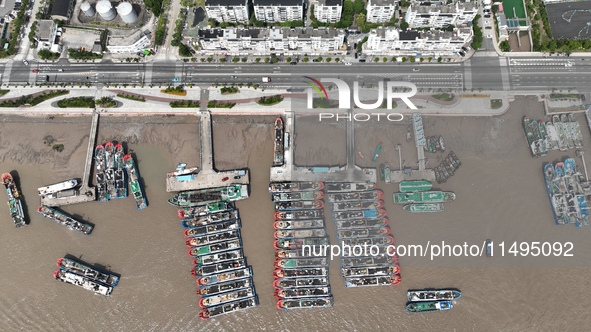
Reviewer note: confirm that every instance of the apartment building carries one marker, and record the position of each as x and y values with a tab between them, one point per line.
233	11
328	11
380	11
439	15
271	11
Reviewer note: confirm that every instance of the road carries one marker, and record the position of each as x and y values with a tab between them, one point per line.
481	71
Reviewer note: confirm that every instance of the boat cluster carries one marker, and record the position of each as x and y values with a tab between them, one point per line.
212	231
418	198
569	203
447	167
301	278
78	274
434	144
562	133
360	221
431	299
15	205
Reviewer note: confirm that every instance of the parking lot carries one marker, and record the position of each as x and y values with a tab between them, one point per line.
570	19
76	38
6	7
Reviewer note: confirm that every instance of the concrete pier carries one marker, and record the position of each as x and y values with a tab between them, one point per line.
86	192
207	177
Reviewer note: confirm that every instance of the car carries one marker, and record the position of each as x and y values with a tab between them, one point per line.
362	60
348	63
488	28
11	16
489	36
1	20
583	97
61	69
237	177
464	48
26	62
355	46
415	69
293	63
356	55
35	70
462	54
234	76
175	79
225	179
46	78
487	16
314	60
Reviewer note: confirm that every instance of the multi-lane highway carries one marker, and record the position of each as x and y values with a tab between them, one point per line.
481	71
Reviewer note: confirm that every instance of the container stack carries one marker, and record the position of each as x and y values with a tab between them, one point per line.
367	252
301	275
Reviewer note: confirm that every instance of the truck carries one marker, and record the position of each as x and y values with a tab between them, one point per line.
266	79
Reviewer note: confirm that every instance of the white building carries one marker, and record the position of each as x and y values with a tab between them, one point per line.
435	43
328	11
46	36
438	15
271	11
278	41
380	11
137	42
234	11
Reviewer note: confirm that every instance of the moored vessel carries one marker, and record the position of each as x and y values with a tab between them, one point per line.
424	207
278	147
110	170
355	196
84	282
215	248
424	197
211	195
300	233
297	196
288	304
227	297
377	154
370	271
412	186
390	280
299	205
299	224
358	205
213	238
361	223
205	209
298	215
15	205
429	306
120	178
225	276
88	272
332	187
303	292
359	214
225	308
298	263
218	257
278	187
433	295
135	182
53	188
209	219
224	287
300	273
295	243
362	233
300	282
206	270
368	261
65	219
378	241
101	180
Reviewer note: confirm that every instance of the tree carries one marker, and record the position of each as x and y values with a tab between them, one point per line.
328	59
305	59
267	60
439	59
360	20
337	60
358	6
257	60
403	24
288	59
155	6
504	46
244	59
385	59
235	60
319	59
376	60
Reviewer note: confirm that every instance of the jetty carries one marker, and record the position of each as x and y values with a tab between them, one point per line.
347	173
206	175
86	192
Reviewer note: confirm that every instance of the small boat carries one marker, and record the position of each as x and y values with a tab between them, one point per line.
303	292
408	134
570	142
278	147
362	233
356	205
295	243
299	215
219	227
110	170
206	270
356	196
382	172
433	295
455	158
297	196
218	257
120	178
299	263
53	188
213	238
279	187
370	271
214	289
181	169
81	281
441	144
368	261
215	248
321	302
135	182
206	209
300	282
299	205
209	219
391	280
424	197
489	248
361	155
377	154
348	186
224	276
101	180
424	207
413	186
231	296
298	224
301	273
361	223
371	214
387	173
299	233
429	306
14	201
88	272
378	241
225	308
210	195
298	253
65	219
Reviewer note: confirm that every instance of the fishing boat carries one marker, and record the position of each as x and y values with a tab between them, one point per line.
101	180
377	154
408	134
576	130
370	271
209	219
15	205
81	281
54	188
299	233
489	248
424	207
377	241
362	233
278	147
570	142
298	224
135	182
215	248
424	197
225	308
298	253
210	195
387	173
562	142
110	170
358	205
303	292
214	289
299	205
219	227
391	280
300	273
349	186
413	186
213	238
279	187
88	272
376	251
206	209
432	295
299	263
544	146
298	215
300	282
361	223
382	172
65	219
356	196
371	214
181	169
224	276
288	304
295	243
441	144
455	158
361	155
206	270
236	295
368	261
120	179
297	196
429	306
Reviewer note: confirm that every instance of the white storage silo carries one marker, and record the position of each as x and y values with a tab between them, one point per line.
105	9
125	10
87	9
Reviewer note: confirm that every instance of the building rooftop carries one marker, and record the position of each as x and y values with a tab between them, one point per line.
225	3
273	33
124	40
382	2
428	7
44	29
411	35
278	2
329	2
60	7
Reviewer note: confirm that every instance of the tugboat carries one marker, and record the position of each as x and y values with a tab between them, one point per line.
236	295
278	148
134	182
120	180
225	276
429	306
298	224
299	205
356	196
101	180
215	248
14	201
297	196
432	295
300	273
304	292
206	209
279	187
349	186
225	308
321	302
88	272
84	282
65	219
205	196
110	170
391	280
300	282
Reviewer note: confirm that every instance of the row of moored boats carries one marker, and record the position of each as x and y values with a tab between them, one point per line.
431	299
418	198
562	133
569	203
89	278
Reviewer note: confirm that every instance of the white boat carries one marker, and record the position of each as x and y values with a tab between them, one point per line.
53	188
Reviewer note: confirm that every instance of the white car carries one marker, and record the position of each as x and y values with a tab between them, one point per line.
415	69
348	63
26	62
